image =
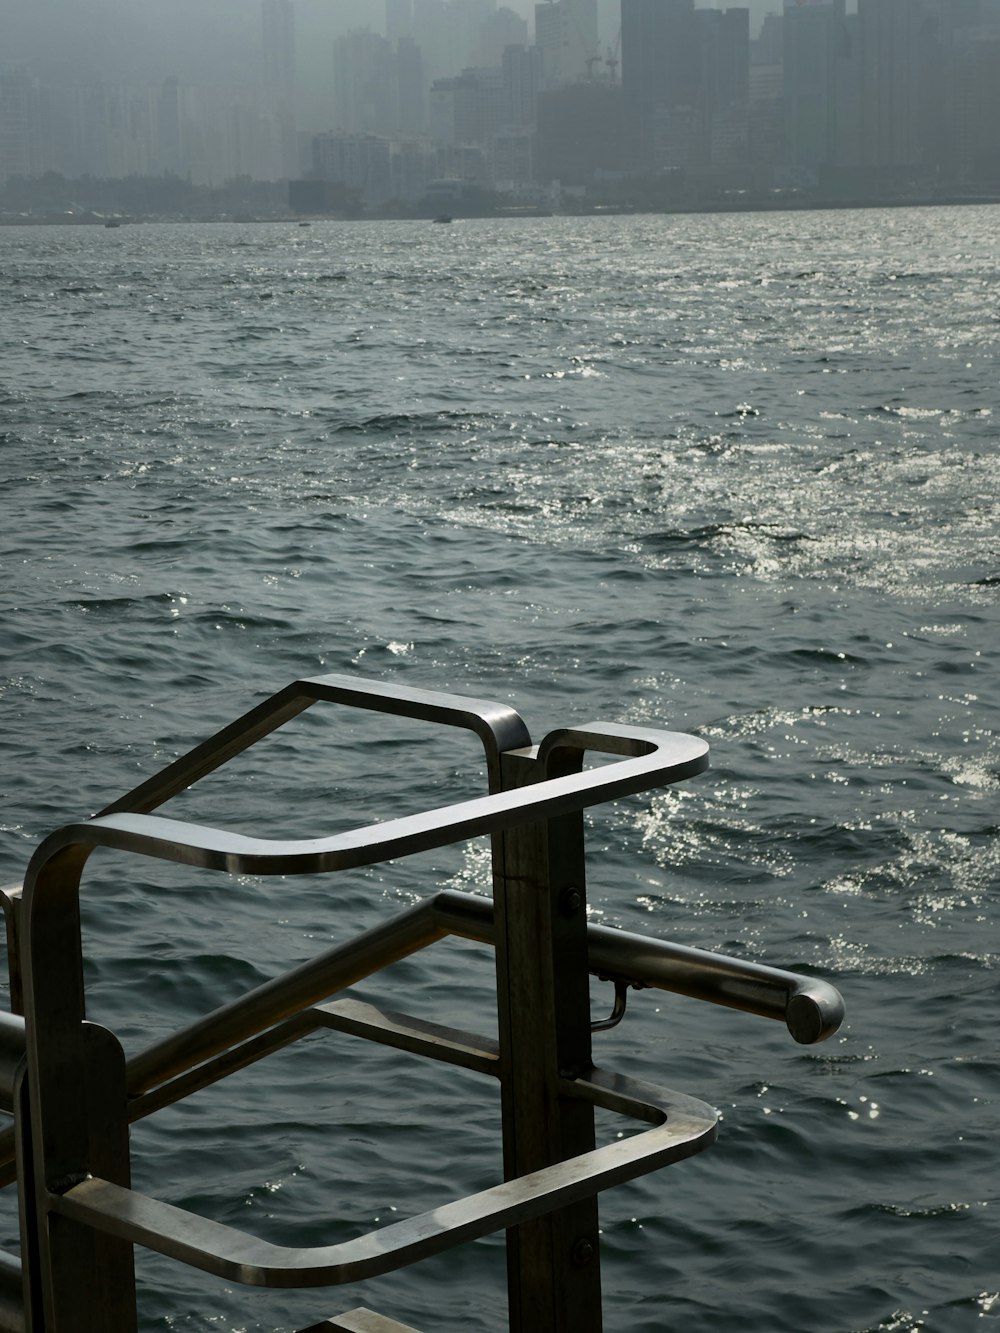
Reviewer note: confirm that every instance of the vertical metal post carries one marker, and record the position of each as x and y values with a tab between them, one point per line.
31	1283
10	901
78	1126
543	1001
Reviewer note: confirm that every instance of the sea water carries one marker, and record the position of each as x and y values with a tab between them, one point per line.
734	475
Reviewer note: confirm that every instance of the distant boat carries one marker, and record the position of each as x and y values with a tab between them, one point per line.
443	217
112	222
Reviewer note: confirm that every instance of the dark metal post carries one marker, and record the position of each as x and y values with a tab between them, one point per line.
543	1000
79	1124
10	901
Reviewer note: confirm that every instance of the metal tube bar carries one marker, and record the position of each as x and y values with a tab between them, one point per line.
359	1321
221	1066
671	757
682	1126
10	901
12	1054
811	1008
12	1317
497	725
402	1031
237	1034
285	996
434	1041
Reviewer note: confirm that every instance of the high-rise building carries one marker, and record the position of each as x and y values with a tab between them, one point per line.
816	42
364	84
579	133
896	69
659	69
398	19
500	30
685	76
411	86
522	78
468	21
18	97
468	109
975	105
432	32
723	88
378	87
169	128
278	51
566	34
512	160
278	45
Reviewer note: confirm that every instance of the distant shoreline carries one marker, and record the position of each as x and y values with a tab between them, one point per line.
777	205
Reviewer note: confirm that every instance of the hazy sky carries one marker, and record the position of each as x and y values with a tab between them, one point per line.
204	41
108	31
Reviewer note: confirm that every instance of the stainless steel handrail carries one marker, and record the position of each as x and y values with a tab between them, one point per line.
76	1148
810	1008
682	1127
656	759
498	726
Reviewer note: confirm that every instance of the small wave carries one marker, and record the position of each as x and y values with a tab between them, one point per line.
679	537
118	605
830	655
224	618
904	275
741	412
406	423
935	1212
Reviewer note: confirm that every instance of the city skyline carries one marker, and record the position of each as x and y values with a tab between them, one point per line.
898	95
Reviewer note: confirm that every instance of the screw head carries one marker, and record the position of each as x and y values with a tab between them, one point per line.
570	900
583	1251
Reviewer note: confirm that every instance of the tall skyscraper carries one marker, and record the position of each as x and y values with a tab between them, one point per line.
815	43
433	33
566	34
974	100
500	30
685	76
364	85
659	68
379	87
17	99
522	76
398	19
278	40
895	71
278	51
169	127
723	91
412	88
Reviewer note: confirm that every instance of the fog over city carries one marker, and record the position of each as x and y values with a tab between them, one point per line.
404	107
218	41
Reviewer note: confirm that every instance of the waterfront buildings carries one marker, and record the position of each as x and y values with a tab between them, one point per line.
832	98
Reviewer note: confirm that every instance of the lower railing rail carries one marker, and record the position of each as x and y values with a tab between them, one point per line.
72	1095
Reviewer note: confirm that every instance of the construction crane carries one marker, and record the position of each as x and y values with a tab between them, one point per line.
611	59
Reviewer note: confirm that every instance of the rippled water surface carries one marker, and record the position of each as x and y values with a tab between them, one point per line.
735	475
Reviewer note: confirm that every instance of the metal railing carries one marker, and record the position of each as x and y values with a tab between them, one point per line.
73	1095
